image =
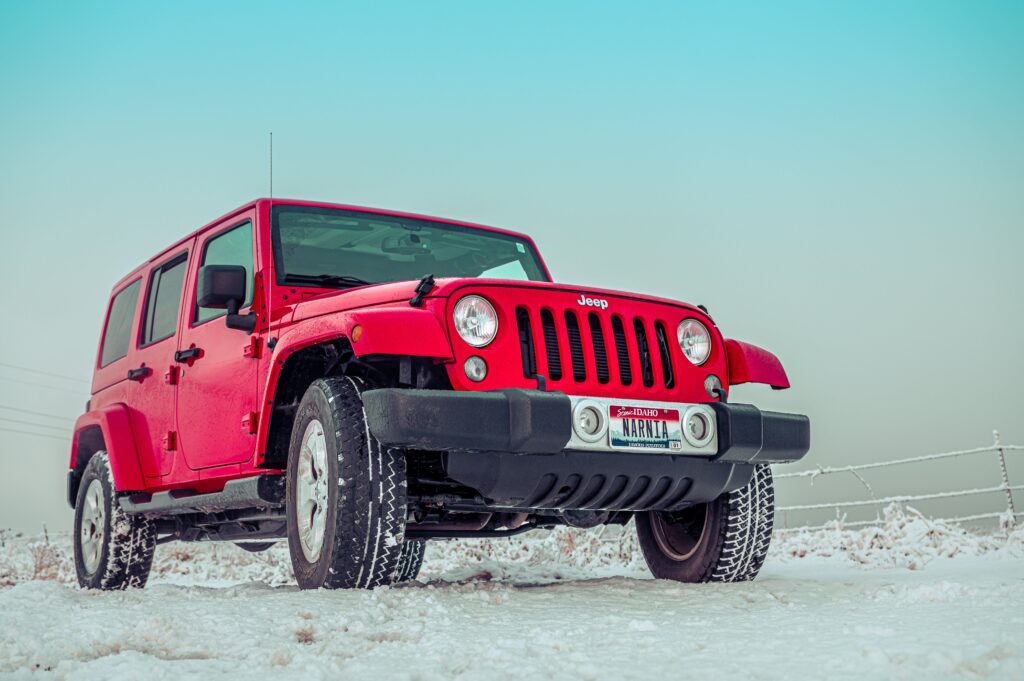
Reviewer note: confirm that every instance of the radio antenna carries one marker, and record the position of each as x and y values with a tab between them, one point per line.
271	164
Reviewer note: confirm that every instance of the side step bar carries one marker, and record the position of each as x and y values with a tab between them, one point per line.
260	491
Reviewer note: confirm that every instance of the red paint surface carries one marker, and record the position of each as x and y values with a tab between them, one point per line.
751	364
503	354
116	427
209	404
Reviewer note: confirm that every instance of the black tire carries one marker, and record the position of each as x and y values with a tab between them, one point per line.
254	546
115	550
364	503
411	560
725	540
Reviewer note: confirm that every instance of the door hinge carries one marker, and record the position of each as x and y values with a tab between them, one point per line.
249	422
252	349
171	376
170	441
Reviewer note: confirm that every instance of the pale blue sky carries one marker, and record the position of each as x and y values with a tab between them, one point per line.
839	182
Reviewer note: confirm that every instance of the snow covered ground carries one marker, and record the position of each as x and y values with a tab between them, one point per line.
910	599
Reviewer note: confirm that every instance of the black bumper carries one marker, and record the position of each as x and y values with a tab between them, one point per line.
510	446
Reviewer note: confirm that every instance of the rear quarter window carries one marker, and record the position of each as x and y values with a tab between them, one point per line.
117	336
161	319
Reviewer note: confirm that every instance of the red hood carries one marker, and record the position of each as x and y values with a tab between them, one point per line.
583	340
315	304
446	287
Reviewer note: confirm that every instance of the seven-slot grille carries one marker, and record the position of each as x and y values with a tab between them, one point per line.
635	344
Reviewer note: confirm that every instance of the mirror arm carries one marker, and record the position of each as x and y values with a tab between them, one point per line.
241	322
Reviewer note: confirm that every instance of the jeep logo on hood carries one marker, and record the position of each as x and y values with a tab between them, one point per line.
592	302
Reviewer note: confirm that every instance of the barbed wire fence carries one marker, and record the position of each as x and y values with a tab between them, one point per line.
1006	516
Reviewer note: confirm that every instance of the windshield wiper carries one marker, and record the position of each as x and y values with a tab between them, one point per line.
332	280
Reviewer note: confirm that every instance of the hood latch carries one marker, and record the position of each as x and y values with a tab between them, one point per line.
425	286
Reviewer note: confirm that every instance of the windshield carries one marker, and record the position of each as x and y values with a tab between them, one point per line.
337	248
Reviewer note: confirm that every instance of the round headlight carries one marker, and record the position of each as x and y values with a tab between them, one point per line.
475	320
694	341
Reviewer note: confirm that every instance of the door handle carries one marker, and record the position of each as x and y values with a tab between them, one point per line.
186	355
138	374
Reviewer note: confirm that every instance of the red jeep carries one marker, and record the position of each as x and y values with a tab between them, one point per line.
288	372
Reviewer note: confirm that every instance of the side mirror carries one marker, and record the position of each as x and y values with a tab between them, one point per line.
222	287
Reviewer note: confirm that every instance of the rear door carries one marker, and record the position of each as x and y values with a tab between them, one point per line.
217	382
153	372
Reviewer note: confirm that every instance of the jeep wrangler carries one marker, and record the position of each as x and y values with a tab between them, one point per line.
288	372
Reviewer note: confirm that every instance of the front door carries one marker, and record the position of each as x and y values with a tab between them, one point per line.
217	382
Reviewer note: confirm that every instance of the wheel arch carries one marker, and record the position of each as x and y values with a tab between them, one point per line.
293	371
108	429
322	346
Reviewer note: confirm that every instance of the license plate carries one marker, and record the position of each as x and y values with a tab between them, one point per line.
644	428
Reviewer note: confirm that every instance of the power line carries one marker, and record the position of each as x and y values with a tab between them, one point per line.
25	432
36	413
37	425
43	373
42	385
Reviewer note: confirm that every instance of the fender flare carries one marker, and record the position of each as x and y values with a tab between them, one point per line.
385	331
106	429
401	331
750	364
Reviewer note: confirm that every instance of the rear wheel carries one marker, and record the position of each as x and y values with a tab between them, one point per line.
255	546
346	494
113	549
725	540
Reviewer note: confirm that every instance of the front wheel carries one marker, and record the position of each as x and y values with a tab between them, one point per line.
346	498
725	540
113	549
411	561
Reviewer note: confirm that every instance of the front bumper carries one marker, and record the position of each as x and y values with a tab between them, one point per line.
536	422
515	448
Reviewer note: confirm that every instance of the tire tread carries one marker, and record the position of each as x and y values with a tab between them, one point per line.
737	542
369	523
127	555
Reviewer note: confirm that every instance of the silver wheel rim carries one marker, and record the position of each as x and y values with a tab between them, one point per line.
312	491
90	534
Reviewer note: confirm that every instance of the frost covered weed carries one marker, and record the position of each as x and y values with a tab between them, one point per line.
47	561
904	538
182	553
548	556
25	559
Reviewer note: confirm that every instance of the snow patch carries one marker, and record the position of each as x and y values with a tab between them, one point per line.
907	599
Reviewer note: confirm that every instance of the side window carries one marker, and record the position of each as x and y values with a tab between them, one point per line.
233	247
163	300
118	334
